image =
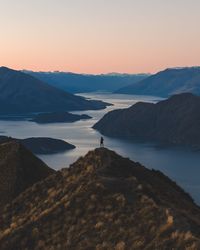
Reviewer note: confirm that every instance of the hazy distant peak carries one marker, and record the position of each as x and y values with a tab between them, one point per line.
77	82
167	82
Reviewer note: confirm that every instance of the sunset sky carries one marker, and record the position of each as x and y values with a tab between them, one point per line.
99	36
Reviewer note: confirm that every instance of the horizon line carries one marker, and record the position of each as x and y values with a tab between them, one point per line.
102	73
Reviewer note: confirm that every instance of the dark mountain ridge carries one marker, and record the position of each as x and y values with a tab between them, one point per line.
172	121
21	93
168	82
103	201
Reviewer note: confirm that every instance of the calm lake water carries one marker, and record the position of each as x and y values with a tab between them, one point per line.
180	164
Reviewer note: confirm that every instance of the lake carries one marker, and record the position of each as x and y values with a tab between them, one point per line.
180	164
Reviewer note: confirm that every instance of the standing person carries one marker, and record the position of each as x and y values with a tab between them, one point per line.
101	142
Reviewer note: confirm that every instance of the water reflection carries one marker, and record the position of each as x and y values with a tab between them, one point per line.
180	164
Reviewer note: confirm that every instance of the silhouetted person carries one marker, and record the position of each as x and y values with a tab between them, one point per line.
101	142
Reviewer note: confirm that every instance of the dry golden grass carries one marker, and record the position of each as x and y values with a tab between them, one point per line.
94	205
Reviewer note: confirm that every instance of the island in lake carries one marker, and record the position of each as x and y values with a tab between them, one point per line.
58	117
41	145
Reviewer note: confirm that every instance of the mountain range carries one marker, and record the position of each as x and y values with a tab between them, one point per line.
167	82
103	201
77	83
21	93
172	121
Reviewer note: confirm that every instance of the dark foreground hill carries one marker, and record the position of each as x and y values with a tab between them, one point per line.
172	121
103	201
19	169
22	93
166	83
41	145
77	83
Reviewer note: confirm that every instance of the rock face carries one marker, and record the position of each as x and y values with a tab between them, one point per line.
19	169
103	201
21	93
59	117
166	83
172	121
41	145
77	83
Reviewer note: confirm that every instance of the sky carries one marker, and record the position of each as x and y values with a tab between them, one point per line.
99	36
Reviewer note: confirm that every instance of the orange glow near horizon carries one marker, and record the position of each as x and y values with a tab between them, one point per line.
99	36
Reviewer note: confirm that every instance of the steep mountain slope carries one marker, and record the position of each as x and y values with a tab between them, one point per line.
19	169
77	83
175	120
167	82
103	201
22	93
